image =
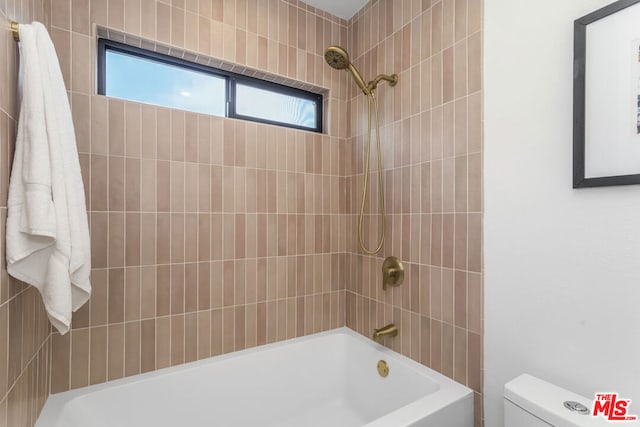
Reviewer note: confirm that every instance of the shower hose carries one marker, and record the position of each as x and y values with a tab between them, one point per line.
372	108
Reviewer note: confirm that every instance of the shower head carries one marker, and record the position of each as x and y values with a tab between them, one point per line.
338	58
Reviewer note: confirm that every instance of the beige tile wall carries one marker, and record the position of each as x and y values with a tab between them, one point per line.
209	235
432	159
24	328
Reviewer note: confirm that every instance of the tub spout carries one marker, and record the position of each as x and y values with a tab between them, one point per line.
390	330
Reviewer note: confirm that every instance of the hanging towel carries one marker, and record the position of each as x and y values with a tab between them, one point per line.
47	230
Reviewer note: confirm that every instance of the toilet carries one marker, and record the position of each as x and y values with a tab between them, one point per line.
532	402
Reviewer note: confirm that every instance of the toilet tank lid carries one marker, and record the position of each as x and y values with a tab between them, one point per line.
546	401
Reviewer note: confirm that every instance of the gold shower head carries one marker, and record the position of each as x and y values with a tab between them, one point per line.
338	58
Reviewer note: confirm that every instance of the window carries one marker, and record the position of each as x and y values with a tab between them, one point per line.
136	74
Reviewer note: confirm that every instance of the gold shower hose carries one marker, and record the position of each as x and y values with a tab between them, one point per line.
371	97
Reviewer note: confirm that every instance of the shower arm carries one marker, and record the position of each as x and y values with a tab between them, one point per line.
373	84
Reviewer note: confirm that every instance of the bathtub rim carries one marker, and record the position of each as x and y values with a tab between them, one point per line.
449	391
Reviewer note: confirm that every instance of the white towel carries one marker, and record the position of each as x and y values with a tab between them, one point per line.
47	230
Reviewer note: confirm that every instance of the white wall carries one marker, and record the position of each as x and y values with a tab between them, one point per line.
562	282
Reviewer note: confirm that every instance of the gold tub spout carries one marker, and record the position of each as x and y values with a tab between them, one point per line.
390	330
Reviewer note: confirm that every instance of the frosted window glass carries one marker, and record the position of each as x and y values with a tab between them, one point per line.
144	80
275	107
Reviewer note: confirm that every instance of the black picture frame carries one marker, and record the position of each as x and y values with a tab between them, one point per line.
579	100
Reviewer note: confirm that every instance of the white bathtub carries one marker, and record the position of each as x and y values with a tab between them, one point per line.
328	379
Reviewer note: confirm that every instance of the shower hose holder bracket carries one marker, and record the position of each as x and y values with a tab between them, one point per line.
373	84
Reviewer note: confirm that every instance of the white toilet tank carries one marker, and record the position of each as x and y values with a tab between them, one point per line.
531	402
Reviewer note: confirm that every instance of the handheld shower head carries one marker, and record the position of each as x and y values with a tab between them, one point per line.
338	58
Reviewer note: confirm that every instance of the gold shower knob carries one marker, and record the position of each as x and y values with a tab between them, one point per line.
392	272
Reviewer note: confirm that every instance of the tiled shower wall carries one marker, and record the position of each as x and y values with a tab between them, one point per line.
432	160
209	235
24	327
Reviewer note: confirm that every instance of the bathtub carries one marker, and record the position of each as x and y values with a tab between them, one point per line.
328	379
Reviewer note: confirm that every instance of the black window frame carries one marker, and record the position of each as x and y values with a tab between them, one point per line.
232	80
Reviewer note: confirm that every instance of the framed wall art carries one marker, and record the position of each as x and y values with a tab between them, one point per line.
606	105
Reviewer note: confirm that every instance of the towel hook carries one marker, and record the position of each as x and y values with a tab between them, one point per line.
14	30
